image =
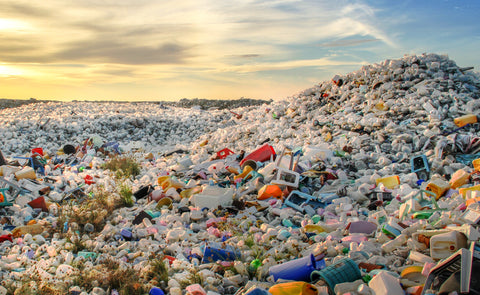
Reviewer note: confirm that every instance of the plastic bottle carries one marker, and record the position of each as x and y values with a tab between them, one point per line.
395	243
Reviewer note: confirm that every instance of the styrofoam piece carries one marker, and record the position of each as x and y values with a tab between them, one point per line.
212	197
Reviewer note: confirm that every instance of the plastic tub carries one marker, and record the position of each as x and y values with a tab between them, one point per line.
345	270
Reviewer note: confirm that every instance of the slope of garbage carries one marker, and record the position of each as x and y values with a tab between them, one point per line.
365	184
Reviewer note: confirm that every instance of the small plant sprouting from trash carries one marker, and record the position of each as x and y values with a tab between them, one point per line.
124	167
126	195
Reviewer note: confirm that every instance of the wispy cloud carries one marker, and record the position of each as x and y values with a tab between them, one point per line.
346	43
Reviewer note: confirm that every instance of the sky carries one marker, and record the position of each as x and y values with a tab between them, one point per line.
137	50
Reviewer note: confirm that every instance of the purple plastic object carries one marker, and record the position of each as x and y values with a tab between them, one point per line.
362	227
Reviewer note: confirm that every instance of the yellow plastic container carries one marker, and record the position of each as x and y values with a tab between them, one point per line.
463	191
459	178
27	173
389	182
293	288
314	228
476	164
464	120
438	187
244	173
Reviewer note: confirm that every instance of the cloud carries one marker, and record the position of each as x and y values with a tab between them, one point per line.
287	65
110	51
346	43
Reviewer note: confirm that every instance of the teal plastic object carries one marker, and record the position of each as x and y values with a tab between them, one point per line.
342	271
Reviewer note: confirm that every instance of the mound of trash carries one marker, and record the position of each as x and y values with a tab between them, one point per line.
365	184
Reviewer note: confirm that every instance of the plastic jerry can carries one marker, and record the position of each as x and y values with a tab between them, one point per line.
459	178
464	120
444	245
389	182
438	187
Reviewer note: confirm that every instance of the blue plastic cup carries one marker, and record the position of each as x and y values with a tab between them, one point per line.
296	270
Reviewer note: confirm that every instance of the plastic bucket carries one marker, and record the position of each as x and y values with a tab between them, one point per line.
261	154
297	269
343	271
165	202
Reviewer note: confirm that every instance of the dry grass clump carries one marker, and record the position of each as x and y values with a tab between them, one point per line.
124	167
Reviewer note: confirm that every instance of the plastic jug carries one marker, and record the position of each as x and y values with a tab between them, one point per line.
438	187
464	120
389	182
444	245
459	178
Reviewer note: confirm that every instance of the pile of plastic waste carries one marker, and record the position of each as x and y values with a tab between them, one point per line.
365	184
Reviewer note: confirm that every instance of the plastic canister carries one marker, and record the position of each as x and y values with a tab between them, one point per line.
296	270
293	288
464	120
459	178
444	245
389	182
438	187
